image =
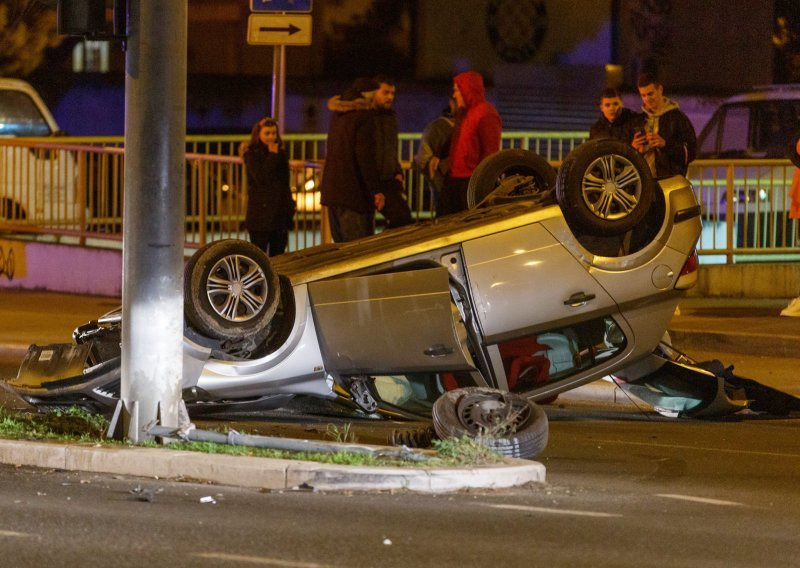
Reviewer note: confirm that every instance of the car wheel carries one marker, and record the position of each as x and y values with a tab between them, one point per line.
537	178
506	422
605	187
230	291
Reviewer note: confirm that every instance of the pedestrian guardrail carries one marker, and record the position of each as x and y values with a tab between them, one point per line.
745	209
73	190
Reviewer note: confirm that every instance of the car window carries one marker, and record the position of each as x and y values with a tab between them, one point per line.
19	115
707	143
776	122
529	362
535	360
734	130
758	129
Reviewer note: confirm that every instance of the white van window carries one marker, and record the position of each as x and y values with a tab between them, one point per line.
734	131
19	115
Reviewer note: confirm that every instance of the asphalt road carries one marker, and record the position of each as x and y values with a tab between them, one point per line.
623	489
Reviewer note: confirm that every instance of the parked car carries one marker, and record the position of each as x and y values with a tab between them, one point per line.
754	126
549	282
36	184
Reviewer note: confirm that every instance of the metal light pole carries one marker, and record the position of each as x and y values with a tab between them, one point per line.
153	234
279	85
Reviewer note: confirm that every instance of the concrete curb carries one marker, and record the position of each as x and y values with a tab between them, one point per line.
265	473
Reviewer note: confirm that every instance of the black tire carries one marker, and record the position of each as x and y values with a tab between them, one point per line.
476	411
605	187
222	303
500	165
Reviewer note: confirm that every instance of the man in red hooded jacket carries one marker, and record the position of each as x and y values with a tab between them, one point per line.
475	136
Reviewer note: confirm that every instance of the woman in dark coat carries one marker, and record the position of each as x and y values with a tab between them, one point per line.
270	207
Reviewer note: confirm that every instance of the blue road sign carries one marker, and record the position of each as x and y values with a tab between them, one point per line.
280	5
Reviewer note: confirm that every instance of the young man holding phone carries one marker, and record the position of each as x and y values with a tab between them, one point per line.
668	140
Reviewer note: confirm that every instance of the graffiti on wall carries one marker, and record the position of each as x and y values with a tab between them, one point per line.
516	28
12	259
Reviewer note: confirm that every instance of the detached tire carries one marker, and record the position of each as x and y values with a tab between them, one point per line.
605	187
231	292
505	163
506	422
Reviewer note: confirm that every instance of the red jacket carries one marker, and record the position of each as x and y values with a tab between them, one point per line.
477	129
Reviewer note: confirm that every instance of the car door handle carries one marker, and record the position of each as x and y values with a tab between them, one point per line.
578	299
438	350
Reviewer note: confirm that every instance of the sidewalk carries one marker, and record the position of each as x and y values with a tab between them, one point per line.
732	326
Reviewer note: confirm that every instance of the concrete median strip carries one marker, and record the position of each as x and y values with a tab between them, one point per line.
264	473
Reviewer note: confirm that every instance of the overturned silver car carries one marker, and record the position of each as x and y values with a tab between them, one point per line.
550	281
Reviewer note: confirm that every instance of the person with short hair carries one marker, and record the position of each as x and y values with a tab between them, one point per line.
615	120
395	209
350	184
668	140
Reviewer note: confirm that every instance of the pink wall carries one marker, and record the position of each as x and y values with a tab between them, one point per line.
63	268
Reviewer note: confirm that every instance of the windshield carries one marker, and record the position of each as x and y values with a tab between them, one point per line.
19	115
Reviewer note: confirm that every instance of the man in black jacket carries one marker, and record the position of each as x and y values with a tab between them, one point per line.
615	120
350	185
668	140
396	209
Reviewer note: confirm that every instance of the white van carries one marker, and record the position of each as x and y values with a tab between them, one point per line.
37	185
758	124
751	128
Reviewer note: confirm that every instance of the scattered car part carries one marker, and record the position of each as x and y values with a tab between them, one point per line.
678	386
417	438
234	438
505	422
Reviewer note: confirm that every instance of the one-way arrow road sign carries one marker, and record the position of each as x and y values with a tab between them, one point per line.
279	29
291	28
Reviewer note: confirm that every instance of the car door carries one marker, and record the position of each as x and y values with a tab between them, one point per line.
523	280
393	323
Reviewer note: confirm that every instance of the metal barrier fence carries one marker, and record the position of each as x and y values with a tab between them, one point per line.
74	190
745	206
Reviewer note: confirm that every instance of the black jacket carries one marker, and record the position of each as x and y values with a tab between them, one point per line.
270	205
621	129
350	178
386	132
676	129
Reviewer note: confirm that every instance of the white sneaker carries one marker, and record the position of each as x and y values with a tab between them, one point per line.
793	309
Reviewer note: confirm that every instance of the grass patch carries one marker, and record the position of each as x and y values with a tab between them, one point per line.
465	451
72	424
77	425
